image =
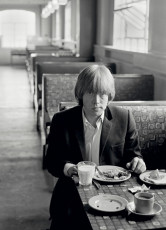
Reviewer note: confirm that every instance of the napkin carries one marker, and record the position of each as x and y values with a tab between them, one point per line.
142	188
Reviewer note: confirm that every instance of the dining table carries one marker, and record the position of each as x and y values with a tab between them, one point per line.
122	219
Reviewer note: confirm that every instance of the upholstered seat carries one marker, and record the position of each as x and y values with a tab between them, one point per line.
150	118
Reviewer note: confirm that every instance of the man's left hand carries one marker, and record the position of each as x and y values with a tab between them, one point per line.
137	165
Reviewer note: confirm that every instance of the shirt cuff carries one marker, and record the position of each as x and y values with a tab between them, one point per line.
66	168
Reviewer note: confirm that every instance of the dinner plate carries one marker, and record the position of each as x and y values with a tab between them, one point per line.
105	168
108	203
156	209
145	178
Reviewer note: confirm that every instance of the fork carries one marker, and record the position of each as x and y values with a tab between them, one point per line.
96	184
99	171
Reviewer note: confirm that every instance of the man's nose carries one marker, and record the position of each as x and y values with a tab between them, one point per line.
96	98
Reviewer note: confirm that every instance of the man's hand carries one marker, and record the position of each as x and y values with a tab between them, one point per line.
72	171
137	165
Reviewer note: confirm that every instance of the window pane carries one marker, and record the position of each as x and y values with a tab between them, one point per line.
131	25
15	27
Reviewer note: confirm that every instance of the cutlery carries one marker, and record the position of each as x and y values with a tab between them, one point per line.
129	170
99	171
96	184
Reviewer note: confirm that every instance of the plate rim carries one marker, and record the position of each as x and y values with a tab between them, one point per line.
148	182
111	180
123	201
143	214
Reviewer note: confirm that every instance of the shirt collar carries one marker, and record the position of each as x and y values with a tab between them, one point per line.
98	122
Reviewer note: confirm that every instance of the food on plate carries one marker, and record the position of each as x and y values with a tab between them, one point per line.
154	175
114	174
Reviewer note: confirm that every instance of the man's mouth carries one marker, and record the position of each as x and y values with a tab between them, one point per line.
96	108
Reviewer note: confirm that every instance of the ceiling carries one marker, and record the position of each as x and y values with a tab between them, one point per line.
23	2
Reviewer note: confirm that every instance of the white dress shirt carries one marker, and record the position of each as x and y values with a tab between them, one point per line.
92	141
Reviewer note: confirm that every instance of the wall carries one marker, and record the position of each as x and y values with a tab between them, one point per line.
87	36
46	27
157	27
104	26
153	62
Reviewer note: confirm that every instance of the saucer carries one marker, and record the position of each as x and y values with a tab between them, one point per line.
156	209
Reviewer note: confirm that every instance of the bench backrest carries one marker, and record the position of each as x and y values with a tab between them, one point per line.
49	58
46	52
131	87
65	67
57	87
60	67
150	118
41	52
60	87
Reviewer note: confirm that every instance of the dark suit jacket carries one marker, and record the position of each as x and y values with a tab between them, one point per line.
118	145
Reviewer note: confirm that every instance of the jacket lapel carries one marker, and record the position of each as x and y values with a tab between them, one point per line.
106	129
79	131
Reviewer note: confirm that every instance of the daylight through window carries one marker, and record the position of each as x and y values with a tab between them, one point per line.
131	25
15	27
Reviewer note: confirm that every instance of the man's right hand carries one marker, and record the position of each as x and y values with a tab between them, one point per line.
72	171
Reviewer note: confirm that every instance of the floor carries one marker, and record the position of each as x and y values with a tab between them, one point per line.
24	191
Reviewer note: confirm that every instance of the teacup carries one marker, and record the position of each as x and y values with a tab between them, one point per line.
144	202
86	171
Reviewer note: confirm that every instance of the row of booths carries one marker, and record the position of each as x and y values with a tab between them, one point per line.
52	75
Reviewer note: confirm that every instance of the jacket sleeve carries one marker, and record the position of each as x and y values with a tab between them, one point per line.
55	156
63	146
132	147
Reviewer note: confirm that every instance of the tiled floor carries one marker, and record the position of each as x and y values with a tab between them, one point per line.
24	194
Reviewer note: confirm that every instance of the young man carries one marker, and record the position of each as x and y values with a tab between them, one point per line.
94	130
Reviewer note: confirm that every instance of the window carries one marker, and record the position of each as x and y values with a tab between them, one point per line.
15	27
131	25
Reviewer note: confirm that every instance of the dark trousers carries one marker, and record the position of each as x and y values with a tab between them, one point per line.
66	208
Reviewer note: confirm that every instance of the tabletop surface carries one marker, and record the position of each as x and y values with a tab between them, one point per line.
123	220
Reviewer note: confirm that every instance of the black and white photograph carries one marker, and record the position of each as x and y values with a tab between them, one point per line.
82	114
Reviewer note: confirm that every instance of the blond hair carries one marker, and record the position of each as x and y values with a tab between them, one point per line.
95	79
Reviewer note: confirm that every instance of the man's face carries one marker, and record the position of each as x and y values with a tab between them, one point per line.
94	104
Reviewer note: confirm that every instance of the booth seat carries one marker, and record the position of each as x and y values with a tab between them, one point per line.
150	118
